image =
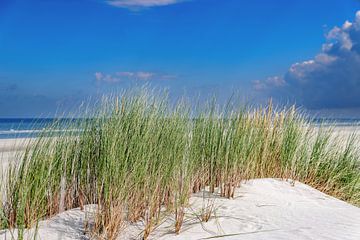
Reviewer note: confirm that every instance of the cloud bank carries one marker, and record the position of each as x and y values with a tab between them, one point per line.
330	80
141	3
8	87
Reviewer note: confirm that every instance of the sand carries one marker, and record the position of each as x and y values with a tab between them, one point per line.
18	144
10	152
262	209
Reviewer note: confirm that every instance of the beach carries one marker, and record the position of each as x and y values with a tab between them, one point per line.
11	150
261	209
179	119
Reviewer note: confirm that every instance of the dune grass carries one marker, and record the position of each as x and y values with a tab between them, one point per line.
139	157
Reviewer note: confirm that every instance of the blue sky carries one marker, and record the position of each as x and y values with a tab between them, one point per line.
56	53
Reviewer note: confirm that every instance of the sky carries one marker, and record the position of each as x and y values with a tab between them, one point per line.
55	54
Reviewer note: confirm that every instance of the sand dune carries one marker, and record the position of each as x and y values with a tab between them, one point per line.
262	209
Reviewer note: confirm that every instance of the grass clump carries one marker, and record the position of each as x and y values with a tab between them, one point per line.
139	157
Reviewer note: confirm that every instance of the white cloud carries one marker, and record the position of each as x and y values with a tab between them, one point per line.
141	3
125	74
341	35
259	85
134	76
330	80
270	82
275	81
347	24
100	77
357	17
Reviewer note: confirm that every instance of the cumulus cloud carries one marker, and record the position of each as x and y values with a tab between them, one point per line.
101	77
135	76
331	79
141	3
270	82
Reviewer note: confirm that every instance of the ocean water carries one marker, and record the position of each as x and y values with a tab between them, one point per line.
31	127
337	121
25	127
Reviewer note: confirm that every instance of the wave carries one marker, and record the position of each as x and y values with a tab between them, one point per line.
32	131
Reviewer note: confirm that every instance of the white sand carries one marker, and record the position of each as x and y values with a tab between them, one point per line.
18	144
10	151
262	209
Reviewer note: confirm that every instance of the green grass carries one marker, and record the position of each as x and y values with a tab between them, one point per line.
139	157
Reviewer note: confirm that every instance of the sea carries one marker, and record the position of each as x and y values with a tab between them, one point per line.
32	127
27	127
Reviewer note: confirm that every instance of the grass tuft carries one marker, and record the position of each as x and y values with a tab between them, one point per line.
138	157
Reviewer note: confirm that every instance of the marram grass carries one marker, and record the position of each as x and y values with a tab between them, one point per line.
139	157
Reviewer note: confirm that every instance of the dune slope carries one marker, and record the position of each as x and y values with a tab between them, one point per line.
262	209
